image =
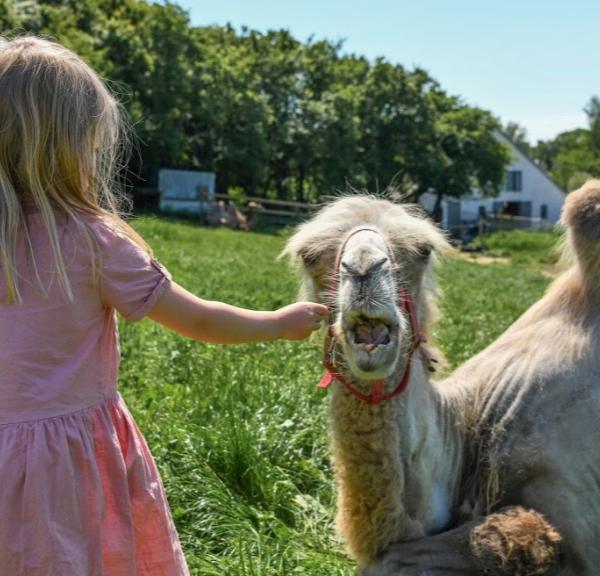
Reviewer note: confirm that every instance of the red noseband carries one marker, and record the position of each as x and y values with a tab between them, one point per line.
377	394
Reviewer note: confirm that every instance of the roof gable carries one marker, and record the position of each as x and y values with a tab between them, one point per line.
520	152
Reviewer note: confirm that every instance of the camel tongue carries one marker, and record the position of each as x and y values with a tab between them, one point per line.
372	334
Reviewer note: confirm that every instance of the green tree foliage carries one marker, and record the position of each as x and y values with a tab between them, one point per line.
518	135
592	109
573	156
269	114
569	157
8	16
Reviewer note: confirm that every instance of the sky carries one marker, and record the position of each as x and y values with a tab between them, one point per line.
535	62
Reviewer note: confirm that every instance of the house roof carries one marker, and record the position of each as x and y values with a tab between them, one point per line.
530	160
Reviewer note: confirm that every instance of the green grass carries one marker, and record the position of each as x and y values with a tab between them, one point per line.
240	432
522	246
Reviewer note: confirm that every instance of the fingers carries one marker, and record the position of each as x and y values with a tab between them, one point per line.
302	319
319	310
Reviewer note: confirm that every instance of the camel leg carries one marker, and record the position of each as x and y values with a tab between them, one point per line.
512	542
445	554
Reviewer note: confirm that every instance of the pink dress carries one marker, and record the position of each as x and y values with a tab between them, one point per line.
80	494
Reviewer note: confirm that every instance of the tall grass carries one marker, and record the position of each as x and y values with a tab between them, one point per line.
240	432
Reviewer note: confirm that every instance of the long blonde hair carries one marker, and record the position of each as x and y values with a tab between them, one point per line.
63	147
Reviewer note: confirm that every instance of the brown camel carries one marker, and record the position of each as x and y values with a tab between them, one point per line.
496	469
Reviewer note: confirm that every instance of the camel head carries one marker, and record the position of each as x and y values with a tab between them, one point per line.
363	257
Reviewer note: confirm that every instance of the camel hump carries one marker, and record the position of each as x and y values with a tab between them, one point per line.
581	212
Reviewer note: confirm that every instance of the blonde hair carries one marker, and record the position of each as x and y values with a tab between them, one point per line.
63	146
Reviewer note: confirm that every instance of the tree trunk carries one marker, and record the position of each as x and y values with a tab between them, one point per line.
300	185
437	207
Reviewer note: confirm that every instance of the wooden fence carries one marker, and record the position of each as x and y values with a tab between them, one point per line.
261	211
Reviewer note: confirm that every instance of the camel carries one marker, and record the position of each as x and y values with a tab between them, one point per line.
492	470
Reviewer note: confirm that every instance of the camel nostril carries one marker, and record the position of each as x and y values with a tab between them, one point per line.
376	266
364	269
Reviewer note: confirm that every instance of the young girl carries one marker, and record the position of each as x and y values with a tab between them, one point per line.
79	492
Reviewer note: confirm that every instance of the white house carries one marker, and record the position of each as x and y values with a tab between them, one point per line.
529	195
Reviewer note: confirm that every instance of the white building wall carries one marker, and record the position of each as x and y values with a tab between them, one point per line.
537	188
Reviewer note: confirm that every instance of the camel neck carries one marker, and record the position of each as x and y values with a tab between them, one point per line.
398	460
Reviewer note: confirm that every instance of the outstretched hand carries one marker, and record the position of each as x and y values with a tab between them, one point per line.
222	323
299	320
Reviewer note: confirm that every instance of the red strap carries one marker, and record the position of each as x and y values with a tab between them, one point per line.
377	395
326	380
409	306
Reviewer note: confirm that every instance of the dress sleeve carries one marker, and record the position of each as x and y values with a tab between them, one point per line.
131	279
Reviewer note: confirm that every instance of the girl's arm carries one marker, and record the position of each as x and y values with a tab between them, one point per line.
221	323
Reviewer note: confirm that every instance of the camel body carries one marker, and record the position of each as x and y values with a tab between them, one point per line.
531	401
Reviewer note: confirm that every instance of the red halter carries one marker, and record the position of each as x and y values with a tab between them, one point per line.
377	394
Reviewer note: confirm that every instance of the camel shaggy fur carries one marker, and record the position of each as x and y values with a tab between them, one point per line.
496	469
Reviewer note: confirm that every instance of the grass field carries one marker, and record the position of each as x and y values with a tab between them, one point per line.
240	432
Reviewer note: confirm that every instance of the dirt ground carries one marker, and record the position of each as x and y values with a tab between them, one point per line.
481	258
548	270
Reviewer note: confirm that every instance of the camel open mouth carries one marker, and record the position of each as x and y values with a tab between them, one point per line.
370	343
367	334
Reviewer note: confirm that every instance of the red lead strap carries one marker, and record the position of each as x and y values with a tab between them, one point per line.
377	394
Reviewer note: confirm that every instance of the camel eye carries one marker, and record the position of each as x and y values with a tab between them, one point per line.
424	251
309	258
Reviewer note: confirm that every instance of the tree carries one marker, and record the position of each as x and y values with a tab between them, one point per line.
517	134
573	162
592	110
9	16
470	154
569	154
573	156
269	114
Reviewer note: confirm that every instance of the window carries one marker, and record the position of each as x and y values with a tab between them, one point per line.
544	212
514	181
482	212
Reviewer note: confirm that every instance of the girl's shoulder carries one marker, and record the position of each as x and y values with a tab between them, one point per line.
131	279
107	241
105	230
112	237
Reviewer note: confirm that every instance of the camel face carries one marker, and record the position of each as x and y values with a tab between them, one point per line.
371	251
370	327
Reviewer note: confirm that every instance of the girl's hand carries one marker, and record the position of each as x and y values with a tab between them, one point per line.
299	320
